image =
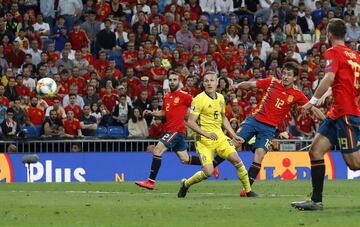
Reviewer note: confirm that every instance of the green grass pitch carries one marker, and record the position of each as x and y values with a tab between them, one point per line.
211	203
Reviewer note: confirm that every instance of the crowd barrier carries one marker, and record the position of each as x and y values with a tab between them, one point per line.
97	144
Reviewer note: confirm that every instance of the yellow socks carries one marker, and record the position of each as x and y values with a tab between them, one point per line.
196	178
243	176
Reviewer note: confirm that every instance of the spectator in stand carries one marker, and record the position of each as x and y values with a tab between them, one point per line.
78	37
56	105
79	100
35	114
21	89
19	113
67	63
42	29
106	39
9	127
109	99
70	10
145	85
71	125
52	126
10	89
76	109
91	96
122	112
16	56
185	36
122	90
109	76
142	101
156	130
91	27
88	123
35	52
305	124
352	30
3	109
137	125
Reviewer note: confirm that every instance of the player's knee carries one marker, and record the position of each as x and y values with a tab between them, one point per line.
208	171
259	155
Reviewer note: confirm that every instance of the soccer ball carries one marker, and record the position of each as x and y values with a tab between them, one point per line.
46	87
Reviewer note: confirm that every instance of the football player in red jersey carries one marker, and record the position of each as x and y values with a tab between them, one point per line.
341	127
277	100
174	109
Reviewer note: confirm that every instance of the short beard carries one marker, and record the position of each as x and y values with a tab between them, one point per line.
174	89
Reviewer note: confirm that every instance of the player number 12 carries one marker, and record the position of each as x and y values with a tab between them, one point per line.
279	103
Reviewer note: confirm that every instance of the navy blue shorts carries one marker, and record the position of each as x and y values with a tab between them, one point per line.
343	132
264	133
174	141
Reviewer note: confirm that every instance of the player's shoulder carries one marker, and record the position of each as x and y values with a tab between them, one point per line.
200	96
184	93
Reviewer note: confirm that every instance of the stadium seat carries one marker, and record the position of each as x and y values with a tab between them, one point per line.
126	131
116	131
30	132
38	130
102	131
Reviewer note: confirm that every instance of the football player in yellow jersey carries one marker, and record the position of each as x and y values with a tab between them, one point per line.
207	117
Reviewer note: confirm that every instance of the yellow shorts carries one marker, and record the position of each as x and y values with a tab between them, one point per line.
206	149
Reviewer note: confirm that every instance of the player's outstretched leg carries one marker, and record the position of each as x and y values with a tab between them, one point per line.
254	168
242	173
155	166
196	178
185	158
319	147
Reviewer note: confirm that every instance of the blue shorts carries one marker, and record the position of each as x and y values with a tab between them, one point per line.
264	133
174	141
343	132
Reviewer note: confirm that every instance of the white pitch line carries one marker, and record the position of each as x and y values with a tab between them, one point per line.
152	194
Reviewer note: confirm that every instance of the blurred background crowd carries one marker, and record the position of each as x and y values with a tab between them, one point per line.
110	59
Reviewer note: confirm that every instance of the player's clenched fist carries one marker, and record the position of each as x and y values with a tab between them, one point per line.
237	141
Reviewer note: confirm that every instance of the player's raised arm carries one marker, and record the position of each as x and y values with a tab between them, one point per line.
196	128
159	113
246	85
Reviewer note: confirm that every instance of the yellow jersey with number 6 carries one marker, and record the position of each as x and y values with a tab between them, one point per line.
210	112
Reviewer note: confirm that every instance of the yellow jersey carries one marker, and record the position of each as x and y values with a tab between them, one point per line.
210	112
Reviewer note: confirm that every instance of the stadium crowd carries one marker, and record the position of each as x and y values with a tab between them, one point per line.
110	59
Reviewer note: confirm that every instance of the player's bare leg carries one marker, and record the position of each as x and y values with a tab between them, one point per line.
199	176
255	167
149	183
352	160
242	173
318	148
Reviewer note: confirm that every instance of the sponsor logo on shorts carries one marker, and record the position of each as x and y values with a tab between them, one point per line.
291	166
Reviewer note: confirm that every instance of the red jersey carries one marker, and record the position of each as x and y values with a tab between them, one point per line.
22	90
103	11
306	123
156	131
76	108
77	39
175	106
36	115
71	127
276	101
345	63
5	101
80	82
110	101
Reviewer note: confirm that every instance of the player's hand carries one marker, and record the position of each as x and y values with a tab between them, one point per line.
211	136
147	113
307	106
237	141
